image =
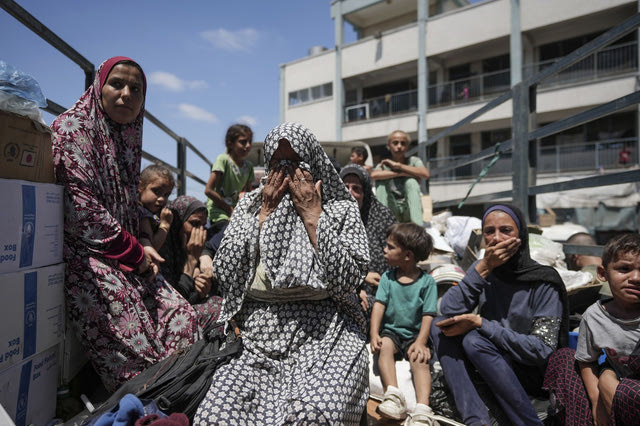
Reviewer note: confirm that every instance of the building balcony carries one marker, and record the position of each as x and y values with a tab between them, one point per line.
608	62
560	158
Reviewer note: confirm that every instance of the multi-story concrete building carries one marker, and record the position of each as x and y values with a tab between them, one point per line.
366	89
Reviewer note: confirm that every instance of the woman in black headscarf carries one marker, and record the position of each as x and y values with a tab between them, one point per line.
521	320
377	218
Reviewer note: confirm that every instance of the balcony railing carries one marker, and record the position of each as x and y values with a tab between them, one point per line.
574	157
391	104
619	59
608	61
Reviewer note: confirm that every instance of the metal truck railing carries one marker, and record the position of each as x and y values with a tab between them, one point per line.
29	21
525	135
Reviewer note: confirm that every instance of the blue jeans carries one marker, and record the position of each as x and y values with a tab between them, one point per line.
459	354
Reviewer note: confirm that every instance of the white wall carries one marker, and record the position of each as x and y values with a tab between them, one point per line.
310	71
318	116
380	128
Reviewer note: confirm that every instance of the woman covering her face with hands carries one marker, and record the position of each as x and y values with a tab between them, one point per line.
125	317
290	260
183	251
522	318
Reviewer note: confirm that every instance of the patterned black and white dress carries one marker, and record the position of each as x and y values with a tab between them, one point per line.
304	358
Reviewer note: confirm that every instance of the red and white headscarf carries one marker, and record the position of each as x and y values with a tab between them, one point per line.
98	160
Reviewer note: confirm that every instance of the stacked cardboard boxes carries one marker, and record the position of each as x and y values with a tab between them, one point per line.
31	272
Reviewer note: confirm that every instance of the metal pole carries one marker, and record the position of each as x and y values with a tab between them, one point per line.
29	21
182	166
520	129
422	84
638	107
533	154
520	135
337	79
515	42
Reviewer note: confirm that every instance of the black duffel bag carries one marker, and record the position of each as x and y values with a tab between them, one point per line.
178	383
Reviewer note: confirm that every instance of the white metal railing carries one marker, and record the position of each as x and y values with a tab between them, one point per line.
390	104
611	60
560	158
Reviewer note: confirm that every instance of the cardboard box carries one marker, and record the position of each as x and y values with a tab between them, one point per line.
28	390
31	225
547	219
470	252
25	149
427	208
31	312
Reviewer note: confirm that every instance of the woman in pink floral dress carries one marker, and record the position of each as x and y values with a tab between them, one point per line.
125	316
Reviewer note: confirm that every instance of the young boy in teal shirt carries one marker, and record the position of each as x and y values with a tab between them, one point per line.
406	302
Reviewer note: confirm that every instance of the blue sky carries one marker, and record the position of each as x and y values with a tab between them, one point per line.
209	63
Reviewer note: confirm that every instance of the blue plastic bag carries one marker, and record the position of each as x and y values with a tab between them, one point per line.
18	83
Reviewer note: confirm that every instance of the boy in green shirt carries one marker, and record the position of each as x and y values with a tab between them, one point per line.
231	174
406	302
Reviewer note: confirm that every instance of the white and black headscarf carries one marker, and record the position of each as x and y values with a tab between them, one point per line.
282	247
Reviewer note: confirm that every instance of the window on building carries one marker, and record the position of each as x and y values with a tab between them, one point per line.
351	97
460	146
304	95
497	74
432	152
294	99
491	137
392	87
488	139
309	94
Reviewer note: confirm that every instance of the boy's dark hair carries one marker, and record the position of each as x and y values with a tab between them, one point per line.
361	151
154	171
620	245
235	131
412	237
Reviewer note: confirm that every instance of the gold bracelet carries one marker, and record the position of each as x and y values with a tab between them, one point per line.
165	228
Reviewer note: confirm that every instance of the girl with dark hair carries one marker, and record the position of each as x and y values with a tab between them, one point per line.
231	174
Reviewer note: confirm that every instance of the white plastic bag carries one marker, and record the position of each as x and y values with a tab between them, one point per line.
545	251
21	106
459	230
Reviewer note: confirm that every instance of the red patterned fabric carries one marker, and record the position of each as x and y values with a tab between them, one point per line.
562	378
625	409
124	323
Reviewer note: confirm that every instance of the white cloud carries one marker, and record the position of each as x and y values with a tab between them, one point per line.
232	40
174	83
196	113
248	120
